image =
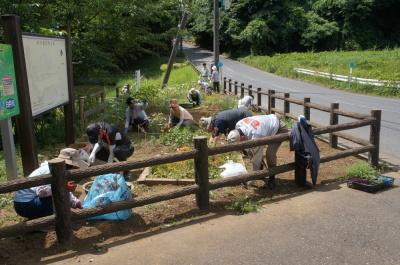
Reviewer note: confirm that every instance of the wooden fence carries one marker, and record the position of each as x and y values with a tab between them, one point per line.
64	216
100	96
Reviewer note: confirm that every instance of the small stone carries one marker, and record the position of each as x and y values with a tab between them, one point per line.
91	260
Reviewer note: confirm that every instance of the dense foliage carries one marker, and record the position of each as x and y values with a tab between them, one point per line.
108	35
268	26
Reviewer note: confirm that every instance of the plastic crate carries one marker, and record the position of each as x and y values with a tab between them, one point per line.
362	184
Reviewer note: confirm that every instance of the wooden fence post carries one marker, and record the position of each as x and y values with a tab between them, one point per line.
271	105
102	97
61	200
250	90
235	87
259	96
201	171
224	85
82	111
334	119
374	137
241	90
117	92
230	86
307	109
286	105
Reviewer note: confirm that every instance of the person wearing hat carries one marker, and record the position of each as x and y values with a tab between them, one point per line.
215	78
37	202
224	121
246	101
178	116
135	115
194	96
256	127
108	143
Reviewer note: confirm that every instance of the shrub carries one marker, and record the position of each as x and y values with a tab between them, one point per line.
361	170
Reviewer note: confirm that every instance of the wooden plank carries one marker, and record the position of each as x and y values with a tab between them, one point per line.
334	119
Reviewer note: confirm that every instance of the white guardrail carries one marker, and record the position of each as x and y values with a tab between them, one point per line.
351	79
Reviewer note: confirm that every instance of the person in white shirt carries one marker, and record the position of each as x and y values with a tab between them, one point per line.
178	116
246	101
204	73
135	115
215	78
256	127
37	202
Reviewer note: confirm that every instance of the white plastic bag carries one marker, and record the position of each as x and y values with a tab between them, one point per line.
232	169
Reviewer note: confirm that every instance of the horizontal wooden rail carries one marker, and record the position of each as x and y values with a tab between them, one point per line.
24	183
79	174
76	215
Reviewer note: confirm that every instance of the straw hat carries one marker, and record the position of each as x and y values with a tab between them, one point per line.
72	157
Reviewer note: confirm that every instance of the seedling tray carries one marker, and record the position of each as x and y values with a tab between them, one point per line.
360	184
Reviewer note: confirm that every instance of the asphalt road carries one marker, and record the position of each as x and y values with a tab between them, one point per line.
332	225
390	127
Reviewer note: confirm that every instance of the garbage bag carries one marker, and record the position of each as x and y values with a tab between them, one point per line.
232	169
105	190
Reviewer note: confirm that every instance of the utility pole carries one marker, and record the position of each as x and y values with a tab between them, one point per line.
216	32
171	60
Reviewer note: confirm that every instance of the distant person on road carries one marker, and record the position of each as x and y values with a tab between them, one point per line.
256	127
204	73
178	116
135	115
246	101
225	121
215	78
194	96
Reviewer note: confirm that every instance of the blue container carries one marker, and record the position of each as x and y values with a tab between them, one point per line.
387	181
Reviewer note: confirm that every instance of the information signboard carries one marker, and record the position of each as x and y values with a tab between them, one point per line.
8	91
46	66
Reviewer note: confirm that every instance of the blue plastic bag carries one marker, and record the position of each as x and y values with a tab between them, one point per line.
105	190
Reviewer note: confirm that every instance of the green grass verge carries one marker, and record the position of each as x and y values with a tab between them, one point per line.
382	65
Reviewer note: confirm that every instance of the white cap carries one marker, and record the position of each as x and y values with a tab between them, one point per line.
214	68
205	122
233	136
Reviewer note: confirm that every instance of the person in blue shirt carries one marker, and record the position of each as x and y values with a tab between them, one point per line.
225	121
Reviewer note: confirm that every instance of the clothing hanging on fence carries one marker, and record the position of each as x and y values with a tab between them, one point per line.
303	143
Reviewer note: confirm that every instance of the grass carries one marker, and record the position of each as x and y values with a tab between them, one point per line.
244	206
361	170
380	65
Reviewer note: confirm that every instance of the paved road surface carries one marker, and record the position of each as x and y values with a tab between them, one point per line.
390	130
332	225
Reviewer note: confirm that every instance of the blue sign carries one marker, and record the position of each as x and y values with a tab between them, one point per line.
220	64
10	103
353	64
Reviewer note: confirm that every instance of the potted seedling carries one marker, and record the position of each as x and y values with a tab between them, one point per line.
362	176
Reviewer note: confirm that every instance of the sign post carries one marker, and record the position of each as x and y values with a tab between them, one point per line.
351	65
9	107
137	77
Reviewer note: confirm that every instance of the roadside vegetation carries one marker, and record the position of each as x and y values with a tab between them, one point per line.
372	64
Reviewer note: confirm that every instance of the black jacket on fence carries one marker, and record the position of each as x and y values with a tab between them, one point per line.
303	143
